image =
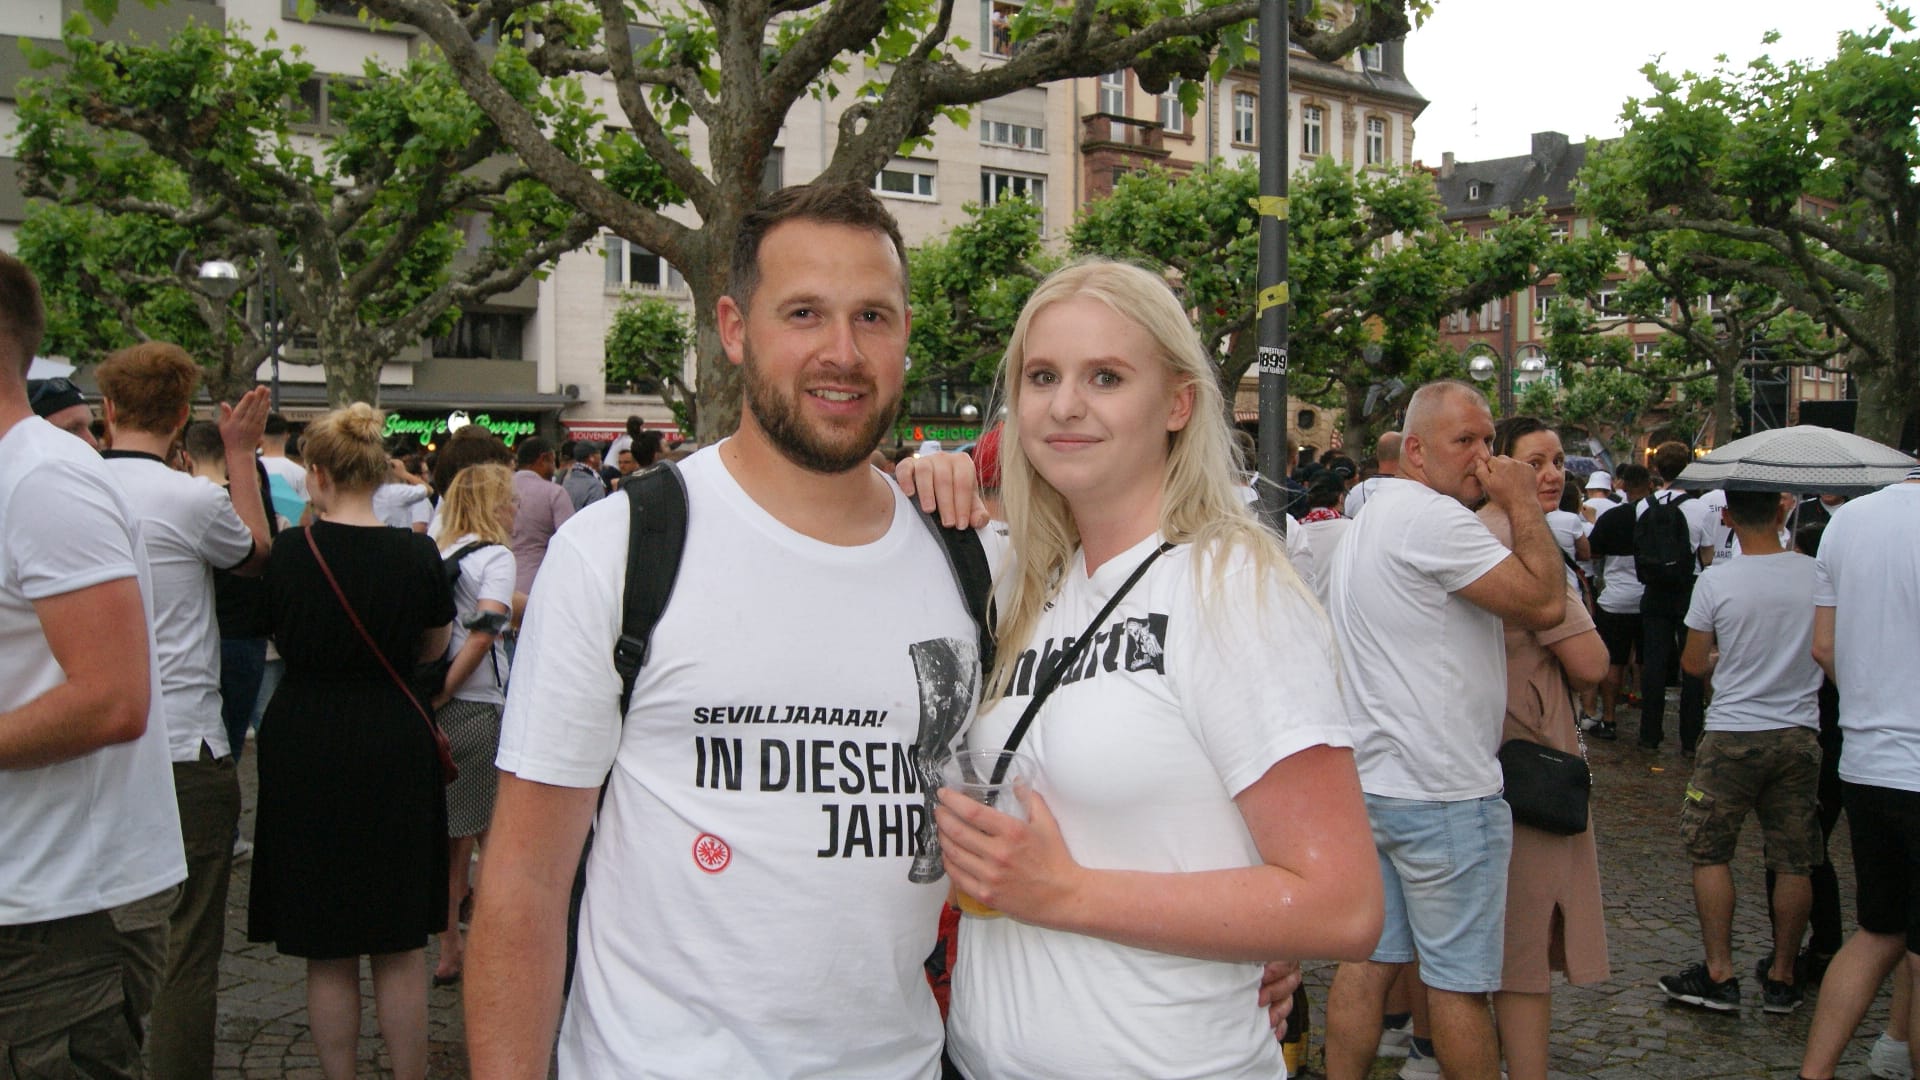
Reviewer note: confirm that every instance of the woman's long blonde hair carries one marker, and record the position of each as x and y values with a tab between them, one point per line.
1200	502
475	497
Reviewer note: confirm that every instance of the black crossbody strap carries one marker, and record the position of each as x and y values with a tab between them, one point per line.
967	558
1049	678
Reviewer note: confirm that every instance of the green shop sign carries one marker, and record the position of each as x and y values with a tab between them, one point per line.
428	429
949	436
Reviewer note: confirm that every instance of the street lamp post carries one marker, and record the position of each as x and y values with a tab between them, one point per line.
221	280
1482	366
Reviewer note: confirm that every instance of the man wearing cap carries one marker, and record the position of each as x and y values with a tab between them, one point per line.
88	826
190	528
60	403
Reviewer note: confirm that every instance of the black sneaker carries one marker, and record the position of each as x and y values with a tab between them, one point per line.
1695	987
1778	997
1605	730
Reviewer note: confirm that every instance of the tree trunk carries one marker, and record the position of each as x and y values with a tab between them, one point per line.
1357	430
716	379
352	375
1726	378
1884	407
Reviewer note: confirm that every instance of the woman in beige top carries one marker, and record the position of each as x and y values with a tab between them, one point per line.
1554	919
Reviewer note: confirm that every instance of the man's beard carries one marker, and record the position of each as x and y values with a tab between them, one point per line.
816	447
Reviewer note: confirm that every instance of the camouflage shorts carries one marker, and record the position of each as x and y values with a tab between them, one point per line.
1774	774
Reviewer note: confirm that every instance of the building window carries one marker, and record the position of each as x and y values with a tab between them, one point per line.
773	172
1173	114
906	179
1373	57
1642	352
1312	122
1490	315
999	32
996	186
1113	93
1376	141
483	335
1018	136
1557	231
1607	303
630	266
1473	191
1246	108
1543	298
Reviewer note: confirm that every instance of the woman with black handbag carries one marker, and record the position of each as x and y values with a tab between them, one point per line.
1554	917
350	848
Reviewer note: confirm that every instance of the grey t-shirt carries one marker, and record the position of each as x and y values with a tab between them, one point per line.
1760	611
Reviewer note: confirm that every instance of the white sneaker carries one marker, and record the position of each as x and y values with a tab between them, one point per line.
243	850
1395	1041
1889	1060
1419	1066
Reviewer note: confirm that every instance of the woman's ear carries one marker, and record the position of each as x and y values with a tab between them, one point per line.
1182	407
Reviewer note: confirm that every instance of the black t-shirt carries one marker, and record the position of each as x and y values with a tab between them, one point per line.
1613	531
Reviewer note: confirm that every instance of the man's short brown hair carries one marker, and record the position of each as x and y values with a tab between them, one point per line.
849	203
150	385
23	317
1669	458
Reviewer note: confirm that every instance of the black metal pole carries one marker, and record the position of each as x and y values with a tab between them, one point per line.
1271	297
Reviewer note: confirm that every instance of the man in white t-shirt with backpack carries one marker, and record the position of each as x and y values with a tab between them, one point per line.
1688	547
1866	596
1419	593
1760	753
89	834
748	910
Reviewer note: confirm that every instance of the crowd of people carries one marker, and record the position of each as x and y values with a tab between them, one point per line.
716	844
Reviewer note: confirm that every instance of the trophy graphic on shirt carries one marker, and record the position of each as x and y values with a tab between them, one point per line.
948	673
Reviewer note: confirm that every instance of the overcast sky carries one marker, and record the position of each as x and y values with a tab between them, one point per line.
1496	71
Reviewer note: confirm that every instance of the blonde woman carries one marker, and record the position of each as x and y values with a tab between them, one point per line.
1196	809
476	540
350	844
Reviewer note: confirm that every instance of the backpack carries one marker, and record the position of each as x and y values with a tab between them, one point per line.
656	538
1663	553
427	677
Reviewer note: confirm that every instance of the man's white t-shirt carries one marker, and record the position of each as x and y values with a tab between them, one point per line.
1869	573
402	505
1176	707
1423	672
1600	504
287	483
1759	609
190	529
101	829
1311	545
485	574
748	911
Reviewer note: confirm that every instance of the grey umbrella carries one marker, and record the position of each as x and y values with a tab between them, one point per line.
1805	460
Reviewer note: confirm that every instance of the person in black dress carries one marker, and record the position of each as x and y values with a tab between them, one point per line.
350	850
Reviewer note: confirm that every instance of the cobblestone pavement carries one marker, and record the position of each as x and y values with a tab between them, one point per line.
1622	1029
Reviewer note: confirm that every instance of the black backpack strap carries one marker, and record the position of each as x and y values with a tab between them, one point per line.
967	559
452	562
656	536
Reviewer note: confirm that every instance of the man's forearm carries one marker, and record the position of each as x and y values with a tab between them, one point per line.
516	960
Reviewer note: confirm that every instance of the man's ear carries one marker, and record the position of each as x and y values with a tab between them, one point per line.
731	321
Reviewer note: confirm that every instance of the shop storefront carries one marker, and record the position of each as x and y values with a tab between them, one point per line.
429	428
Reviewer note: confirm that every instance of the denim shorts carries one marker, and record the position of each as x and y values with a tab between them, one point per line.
1444	868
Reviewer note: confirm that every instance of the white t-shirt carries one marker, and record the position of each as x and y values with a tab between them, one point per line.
102	829
190	529
1361	492
288	486
402	505
1567	528
1621	591
748	910
485	574
1869	573
1600	504
1176	707
1759	609
1423	671
1311	546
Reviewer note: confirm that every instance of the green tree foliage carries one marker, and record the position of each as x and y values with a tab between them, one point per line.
363	230
1806	177
968	289
1716	325
647	345
1373	269
739	69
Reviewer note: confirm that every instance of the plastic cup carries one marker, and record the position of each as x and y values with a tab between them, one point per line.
971	773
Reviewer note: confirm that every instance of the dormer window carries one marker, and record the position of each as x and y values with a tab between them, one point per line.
1473	191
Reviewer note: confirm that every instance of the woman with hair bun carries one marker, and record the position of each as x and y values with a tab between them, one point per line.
1194	809
350	855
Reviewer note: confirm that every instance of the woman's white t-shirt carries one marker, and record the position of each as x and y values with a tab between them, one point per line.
485	574
1178	705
